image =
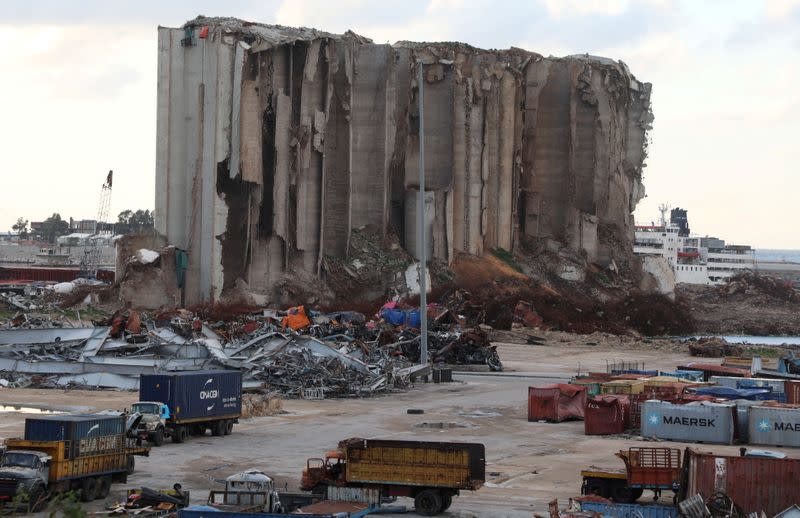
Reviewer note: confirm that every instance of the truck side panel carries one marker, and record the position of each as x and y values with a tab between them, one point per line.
195	395
62	468
411	463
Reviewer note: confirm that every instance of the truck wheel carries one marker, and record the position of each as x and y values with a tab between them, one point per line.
36	499
88	489
428	503
597	487
158	437
130	465
179	434
228	426
218	428
447	501
623	494
103	487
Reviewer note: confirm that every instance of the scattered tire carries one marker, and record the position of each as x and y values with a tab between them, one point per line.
428	503
415	411
88	489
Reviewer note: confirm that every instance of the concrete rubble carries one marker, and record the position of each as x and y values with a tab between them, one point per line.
276	144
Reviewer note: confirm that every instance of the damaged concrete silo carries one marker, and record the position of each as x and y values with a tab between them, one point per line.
274	143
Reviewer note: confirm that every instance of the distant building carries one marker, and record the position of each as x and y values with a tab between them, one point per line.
695	260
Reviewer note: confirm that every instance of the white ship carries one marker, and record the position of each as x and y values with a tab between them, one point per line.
694	259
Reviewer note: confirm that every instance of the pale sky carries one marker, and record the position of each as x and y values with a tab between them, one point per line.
79	92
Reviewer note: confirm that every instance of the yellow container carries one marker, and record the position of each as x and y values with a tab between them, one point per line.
62	468
626	387
411	463
664	381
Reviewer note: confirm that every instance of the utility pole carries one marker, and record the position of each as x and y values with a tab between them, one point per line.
423	288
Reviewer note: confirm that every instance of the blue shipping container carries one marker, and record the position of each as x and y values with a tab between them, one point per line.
195	394
72	427
634	371
630	510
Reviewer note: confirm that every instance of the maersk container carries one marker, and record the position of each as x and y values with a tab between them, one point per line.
692	422
630	510
778	386
192	395
72	427
776	426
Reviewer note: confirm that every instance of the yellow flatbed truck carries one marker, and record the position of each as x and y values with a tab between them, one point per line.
32	470
431	473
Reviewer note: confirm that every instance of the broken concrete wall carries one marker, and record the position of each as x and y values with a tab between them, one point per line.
275	143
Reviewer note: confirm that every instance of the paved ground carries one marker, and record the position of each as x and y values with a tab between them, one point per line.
528	463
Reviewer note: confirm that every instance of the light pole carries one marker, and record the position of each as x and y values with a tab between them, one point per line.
423	289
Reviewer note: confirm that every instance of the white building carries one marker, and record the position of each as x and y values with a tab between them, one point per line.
695	260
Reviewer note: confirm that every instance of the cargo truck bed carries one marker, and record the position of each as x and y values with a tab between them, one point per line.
415	463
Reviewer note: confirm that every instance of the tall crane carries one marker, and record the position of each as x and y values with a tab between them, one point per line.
91	255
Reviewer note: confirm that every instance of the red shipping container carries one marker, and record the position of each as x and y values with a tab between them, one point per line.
792	389
556	402
607	414
755	483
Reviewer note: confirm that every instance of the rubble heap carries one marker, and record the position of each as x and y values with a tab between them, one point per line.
292	353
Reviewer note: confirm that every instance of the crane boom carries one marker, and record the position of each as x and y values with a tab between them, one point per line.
91	256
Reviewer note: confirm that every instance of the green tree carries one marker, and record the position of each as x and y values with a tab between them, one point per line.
21	227
52	227
138	222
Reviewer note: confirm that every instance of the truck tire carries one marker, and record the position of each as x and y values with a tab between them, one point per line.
36	499
179	434
103	487
218	428
428	502
158	437
447	501
623	494
88	489
596	486
130	465
228	426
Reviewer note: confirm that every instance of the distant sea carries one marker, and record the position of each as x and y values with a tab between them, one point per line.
774	255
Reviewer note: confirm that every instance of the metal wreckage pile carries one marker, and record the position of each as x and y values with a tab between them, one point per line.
292	353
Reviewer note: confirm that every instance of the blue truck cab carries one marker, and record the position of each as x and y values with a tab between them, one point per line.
181	404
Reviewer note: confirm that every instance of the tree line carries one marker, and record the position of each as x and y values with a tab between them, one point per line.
128	222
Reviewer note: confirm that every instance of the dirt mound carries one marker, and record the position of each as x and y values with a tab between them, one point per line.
748	304
497	287
713	347
751	284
